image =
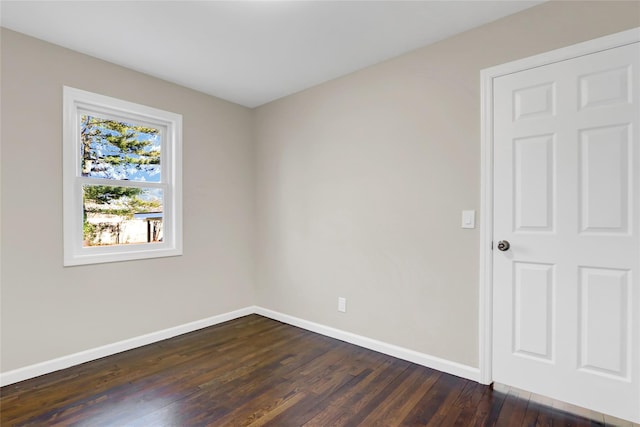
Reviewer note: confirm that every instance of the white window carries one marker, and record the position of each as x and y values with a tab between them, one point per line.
122	180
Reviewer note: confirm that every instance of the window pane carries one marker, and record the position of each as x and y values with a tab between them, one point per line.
121	215
119	150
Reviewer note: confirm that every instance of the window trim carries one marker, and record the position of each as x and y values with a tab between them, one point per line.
76	102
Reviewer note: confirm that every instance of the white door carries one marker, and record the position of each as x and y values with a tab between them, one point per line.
566	305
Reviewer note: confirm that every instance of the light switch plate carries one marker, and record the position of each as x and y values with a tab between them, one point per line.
342	304
468	219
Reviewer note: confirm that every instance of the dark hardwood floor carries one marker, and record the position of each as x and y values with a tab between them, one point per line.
255	371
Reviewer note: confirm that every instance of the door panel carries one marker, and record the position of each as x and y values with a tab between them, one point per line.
534	176
604	179
604	321
533	318
566	170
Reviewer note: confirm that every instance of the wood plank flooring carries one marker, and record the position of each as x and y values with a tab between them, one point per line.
255	371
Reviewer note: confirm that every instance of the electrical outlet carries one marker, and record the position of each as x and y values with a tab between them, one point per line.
342	305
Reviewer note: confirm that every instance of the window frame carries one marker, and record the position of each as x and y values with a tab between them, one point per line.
78	102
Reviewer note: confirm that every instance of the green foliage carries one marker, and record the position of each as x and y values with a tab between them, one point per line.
103	194
89	230
118	150
122	201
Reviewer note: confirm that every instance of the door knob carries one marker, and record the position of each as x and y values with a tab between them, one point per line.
503	245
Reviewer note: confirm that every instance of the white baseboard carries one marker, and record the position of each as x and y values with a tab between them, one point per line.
63	362
433	362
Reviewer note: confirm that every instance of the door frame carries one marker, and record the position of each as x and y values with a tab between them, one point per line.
485	312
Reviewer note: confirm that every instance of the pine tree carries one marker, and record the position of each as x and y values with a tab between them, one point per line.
116	150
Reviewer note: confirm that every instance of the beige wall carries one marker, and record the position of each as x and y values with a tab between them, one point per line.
358	183
361	182
50	311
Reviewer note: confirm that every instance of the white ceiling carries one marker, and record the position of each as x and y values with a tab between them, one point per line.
249	52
